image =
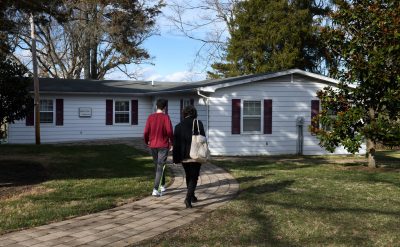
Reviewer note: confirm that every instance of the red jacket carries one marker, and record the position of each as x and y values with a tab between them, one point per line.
158	132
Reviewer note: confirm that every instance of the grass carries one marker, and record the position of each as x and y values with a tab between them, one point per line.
47	183
302	201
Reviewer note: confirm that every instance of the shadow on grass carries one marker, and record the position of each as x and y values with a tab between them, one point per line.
20	173
30	164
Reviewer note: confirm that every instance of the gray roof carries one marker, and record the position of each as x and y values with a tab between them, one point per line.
52	85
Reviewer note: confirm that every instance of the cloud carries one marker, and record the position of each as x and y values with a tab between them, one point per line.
180	76
150	74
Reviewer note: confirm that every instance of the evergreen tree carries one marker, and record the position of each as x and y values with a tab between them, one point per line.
272	35
364	40
15	100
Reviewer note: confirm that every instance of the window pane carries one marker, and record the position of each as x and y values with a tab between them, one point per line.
121	117
46	105
186	102
46	117
121	105
251	124
252	108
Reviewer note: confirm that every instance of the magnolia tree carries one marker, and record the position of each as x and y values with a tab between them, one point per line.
364	47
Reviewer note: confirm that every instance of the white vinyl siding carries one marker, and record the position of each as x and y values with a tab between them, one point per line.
290	100
77	128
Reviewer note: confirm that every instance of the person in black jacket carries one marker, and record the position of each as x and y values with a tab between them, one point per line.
181	151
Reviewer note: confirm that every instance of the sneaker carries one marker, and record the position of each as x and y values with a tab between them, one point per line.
163	189
156	193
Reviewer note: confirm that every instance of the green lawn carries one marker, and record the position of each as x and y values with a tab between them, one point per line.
302	201
41	184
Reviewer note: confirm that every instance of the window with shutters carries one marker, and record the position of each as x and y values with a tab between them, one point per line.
252	116
46	111
121	112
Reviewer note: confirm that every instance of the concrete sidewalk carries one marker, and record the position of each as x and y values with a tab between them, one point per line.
137	221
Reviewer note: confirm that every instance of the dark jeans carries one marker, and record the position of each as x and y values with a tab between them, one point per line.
159	158
192	171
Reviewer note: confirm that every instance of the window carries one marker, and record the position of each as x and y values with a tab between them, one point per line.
251	116
332	115
121	113
46	111
185	102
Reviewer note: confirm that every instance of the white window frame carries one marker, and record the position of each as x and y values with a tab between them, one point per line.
129	111
243	116
53	111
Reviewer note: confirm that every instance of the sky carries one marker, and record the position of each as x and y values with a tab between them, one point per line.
174	54
172	57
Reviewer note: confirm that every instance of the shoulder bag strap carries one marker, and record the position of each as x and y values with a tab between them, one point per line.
198	128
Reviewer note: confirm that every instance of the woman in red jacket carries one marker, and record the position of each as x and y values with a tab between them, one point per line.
181	151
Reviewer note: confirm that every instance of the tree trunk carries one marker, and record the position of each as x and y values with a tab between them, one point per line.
35	81
86	52
371	154
93	43
371	143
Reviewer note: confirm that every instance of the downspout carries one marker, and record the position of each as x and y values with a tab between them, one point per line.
207	99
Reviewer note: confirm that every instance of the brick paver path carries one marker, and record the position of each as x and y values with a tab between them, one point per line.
137	221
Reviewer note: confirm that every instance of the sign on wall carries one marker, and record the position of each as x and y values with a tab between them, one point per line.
85	112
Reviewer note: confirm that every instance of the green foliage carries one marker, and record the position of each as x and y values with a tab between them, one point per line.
15	100
270	35
364	43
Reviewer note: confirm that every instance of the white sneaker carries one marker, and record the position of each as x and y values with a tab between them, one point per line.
156	193
163	189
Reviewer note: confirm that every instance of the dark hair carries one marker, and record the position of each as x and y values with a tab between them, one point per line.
189	111
161	104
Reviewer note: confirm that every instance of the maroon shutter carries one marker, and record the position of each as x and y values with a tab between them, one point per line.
314	112
181	109
268	116
192	102
235	116
134	112
30	116
59	111
166	108
109	112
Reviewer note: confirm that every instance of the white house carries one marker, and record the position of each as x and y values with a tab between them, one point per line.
247	115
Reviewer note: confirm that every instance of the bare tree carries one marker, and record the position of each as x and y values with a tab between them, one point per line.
206	21
98	38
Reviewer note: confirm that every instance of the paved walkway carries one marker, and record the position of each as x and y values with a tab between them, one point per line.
137	221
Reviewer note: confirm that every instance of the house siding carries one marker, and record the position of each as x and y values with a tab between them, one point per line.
77	128
290	100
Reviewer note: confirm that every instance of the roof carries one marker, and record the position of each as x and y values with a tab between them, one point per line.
84	86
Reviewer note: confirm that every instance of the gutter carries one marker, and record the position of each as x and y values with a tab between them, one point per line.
207	99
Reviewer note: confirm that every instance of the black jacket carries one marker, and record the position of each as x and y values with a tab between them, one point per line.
183	138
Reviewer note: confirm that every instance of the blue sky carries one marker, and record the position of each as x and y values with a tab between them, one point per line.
173	56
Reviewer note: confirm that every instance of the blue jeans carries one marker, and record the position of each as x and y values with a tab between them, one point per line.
159	158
